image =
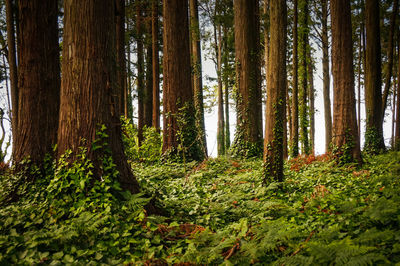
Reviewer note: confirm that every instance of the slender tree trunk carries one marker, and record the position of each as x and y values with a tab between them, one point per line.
285	121
140	69
120	91
276	78
393	113
326	76
226	92
390	48
221	122
197	74
289	113
397	130
311	94
148	90
179	113
295	102
374	133
12	62
38	79
345	132
156	65
360	56
128	103
86	98
248	137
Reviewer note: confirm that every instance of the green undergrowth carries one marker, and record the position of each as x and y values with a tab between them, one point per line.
218	212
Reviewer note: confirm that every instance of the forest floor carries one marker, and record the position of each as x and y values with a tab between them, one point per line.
218	212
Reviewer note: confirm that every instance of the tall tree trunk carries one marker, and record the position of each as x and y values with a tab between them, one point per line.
38	79
294	150
305	143
128	103
197	74
374	134
359	65
226	92
311	93
390	48
89	74
345	132
156	65
326	76
179	112
148	90
276	78
120	91
393	113
248	137
140	69
12	62
221	122
397	130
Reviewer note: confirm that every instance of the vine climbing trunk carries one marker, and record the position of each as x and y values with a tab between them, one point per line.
248	139
345	132
276	91
38	79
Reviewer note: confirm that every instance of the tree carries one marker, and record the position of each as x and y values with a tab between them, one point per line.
156	65
148	89
197	73
345	133
179	130
397	130
374	132
38	80
276	91
295	102
121	94
87	87
248	137
140	69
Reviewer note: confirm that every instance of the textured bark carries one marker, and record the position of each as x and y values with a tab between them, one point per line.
12	62
148	90
394	105
226	92
397	130
87	87
311	93
276	90
140	69
326	76
120	89
248	137
345	132
294	150
373	103
221	117
390	48
38	79
179	121
156	65
197	73
360	56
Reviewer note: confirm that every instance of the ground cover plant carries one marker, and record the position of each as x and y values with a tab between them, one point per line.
218	212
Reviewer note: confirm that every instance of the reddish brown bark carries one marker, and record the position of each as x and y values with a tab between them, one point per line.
345	132
120	89
89	76
38	79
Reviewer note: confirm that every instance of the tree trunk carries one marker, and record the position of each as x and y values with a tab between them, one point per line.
12	62
311	93
374	134
197	74
226	92
248	137
89	74
393	114
326	76
148	91
120	91
390	48
140	69
38	79
345	132
180	135
294	150
221	120
156	65
276	90
397	130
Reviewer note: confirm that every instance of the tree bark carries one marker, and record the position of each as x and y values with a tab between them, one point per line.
197	74
179	131
226	92
156	65
148	91
397	130
140	69
311	93
12	62
89	74
120	92
276	78
294	150
373	104
248	137
38	79
326	76
221	117
390	48
345	132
